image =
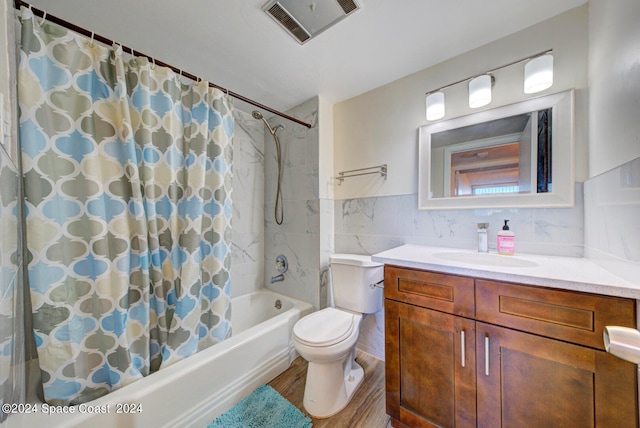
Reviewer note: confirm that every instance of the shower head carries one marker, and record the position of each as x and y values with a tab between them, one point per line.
278	210
257	115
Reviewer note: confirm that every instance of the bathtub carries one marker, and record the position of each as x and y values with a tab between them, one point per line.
194	391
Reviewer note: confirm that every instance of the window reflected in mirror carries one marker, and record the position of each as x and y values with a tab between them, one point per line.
500	156
486	171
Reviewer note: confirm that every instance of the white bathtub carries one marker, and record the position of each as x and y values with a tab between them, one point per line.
194	391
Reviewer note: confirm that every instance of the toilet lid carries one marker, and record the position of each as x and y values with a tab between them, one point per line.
324	328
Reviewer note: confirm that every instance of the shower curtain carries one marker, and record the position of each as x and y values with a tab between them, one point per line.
128	197
12	379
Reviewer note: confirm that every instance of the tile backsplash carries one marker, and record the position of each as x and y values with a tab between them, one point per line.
612	220
371	225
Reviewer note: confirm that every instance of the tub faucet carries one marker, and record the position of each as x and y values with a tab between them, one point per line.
277	278
281	266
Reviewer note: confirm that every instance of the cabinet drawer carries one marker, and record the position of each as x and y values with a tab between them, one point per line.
565	315
446	293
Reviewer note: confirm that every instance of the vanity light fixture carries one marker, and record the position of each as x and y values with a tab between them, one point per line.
538	76
480	90
435	105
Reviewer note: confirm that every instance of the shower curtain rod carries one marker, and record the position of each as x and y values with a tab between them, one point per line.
93	36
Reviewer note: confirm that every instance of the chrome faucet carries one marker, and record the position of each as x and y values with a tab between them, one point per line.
277	278
282	265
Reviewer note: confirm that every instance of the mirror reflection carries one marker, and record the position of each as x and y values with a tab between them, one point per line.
506	155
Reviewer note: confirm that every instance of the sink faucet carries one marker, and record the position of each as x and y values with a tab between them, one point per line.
483	242
277	278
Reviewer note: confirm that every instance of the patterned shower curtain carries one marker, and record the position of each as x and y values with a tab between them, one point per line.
128	195
12	380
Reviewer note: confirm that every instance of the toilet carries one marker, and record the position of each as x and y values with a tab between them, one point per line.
327	338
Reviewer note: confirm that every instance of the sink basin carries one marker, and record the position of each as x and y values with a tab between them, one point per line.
485	259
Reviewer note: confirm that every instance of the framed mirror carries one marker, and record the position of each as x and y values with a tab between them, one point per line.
520	155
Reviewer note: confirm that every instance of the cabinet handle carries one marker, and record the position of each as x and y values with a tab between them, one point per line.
486	355
464	354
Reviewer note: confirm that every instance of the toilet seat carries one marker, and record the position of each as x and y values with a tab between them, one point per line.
324	328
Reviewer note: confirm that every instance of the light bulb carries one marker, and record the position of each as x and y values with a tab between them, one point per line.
538	74
480	91
435	106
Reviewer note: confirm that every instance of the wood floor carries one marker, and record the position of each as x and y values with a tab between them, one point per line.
367	407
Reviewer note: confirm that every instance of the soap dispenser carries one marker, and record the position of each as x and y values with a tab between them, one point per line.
506	240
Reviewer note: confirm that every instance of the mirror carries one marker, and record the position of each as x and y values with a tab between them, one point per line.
520	155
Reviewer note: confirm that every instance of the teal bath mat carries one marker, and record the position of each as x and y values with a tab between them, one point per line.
264	408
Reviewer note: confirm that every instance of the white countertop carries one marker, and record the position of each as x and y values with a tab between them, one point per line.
567	273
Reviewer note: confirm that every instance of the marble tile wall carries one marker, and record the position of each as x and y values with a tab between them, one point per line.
612	220
247	235
298	237
370	225
306	235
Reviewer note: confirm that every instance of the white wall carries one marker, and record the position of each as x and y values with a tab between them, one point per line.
380	126
325	149
612	196
614	83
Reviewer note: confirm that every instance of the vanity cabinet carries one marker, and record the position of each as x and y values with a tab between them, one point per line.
438	386
467	352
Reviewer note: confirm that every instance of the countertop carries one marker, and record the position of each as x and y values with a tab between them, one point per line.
578	274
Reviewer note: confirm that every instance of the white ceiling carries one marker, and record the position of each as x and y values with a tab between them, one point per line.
236	45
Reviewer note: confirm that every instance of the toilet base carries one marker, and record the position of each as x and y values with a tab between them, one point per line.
329	387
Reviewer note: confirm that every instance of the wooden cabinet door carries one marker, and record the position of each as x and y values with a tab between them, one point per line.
532	381
430	367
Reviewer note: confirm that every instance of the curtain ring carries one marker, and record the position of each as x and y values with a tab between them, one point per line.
21	14
117	50
44	16
91	41
153	61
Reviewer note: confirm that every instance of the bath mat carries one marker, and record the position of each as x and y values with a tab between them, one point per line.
264	408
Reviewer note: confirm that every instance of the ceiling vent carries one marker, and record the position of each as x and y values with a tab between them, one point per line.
306	19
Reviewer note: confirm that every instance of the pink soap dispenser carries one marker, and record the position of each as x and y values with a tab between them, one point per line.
506	241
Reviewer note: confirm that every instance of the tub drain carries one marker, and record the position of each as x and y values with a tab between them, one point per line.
278	304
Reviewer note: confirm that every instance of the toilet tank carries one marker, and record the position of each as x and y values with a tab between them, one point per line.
351	276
